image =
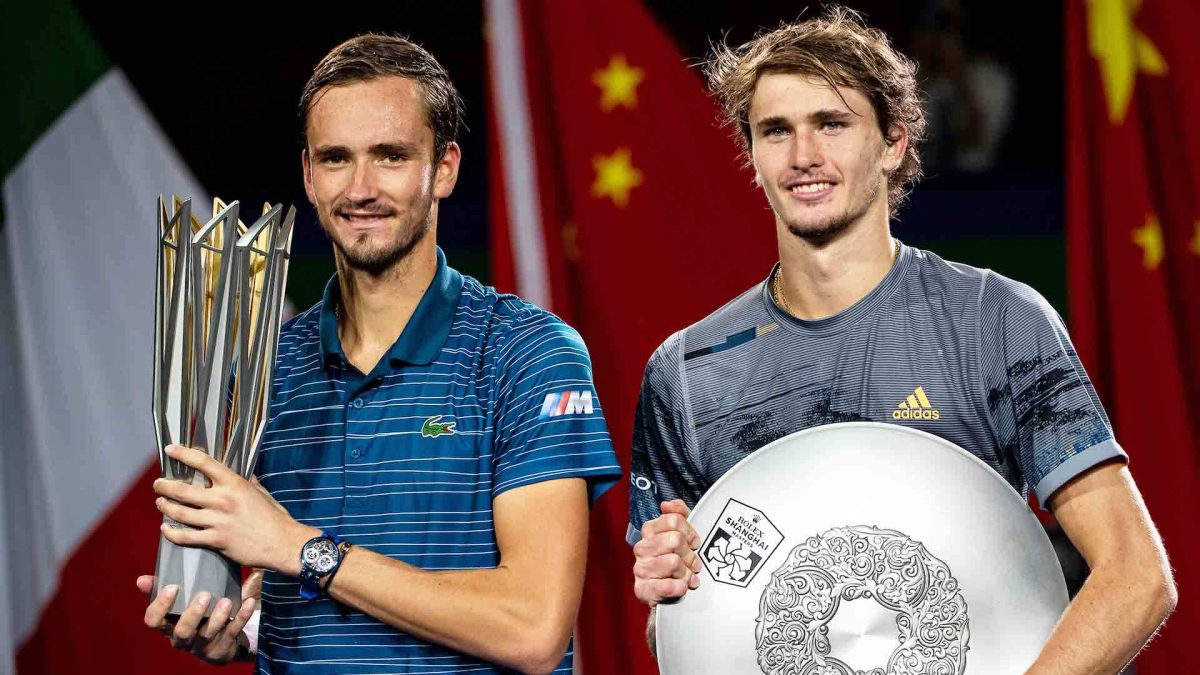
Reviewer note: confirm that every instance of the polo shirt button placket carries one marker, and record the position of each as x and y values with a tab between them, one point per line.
356	452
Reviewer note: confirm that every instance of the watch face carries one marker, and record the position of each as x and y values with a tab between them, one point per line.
321	555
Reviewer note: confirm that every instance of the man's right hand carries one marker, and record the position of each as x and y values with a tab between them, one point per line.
217	640
667	565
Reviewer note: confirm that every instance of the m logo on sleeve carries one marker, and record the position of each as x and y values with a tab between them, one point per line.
567	403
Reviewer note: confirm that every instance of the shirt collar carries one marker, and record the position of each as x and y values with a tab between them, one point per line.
426	331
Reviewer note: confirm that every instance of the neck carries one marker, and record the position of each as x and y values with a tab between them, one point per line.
823	278
376	308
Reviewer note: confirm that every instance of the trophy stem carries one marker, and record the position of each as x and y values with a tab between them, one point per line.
195	571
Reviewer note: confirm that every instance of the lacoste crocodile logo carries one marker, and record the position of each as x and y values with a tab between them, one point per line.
434	427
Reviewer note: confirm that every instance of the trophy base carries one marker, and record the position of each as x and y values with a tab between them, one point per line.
196	571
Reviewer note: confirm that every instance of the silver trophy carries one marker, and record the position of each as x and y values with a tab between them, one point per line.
217	305
864	549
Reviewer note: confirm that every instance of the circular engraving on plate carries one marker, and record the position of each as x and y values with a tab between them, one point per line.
860	561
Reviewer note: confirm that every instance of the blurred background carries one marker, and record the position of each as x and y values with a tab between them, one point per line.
993	193
595	181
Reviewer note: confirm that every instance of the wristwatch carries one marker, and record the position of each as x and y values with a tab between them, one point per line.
319	559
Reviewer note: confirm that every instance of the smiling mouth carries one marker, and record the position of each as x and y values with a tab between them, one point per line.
809	188
363	219
811	191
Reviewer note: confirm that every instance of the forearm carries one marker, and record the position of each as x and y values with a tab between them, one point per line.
490	613
1109	621
518	614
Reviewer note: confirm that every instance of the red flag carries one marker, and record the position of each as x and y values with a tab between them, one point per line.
611	156
1133	236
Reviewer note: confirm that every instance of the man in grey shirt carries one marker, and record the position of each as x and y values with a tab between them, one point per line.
853	325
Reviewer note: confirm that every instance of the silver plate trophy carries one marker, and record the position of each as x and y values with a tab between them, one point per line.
217	308
864	549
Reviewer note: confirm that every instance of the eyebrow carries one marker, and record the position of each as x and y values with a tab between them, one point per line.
817	116
397	148
771	122
831	115
377	150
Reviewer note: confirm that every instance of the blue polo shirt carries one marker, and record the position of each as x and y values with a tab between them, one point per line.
480	394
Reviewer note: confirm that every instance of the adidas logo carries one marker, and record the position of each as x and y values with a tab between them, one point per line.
916	407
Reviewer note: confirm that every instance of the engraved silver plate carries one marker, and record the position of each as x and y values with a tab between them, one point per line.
864	549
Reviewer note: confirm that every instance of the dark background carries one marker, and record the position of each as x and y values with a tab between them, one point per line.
223	80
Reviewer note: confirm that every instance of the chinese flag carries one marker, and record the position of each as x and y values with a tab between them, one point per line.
620	203
1133	234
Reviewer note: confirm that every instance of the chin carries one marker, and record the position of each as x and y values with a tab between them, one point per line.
818	229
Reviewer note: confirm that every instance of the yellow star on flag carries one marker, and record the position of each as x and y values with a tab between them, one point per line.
618	83
1122	51
615	176
1196	239
1150	238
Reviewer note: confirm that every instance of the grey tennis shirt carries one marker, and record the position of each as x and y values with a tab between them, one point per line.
963	353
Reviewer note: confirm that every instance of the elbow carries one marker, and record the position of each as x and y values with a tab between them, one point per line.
540	648
1165	592
1158	592
539	656
1167	597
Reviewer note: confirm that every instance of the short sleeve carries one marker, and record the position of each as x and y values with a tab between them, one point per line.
1043	408
548	420
662	469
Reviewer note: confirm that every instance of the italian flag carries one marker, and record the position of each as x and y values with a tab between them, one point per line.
83	164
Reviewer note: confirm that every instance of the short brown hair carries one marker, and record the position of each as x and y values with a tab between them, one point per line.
840	49
373	55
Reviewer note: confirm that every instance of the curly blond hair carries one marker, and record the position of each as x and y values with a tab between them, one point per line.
842	50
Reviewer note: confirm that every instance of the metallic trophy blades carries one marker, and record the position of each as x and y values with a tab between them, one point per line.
274	284
253	253
164	270
212	327
171	388
218	299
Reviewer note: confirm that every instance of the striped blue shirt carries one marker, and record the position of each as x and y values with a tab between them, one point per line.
480	394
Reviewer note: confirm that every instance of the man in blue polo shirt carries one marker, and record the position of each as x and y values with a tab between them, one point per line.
432	447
